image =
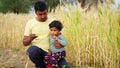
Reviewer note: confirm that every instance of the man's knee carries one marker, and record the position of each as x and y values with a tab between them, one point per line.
67	66
63	64
33	50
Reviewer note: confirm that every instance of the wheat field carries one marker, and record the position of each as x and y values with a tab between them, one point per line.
93	38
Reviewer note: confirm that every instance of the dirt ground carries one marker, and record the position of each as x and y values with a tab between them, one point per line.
10	58
13	59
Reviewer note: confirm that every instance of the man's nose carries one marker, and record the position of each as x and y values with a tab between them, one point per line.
43	16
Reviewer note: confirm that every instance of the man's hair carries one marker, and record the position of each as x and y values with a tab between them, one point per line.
40	6
56	24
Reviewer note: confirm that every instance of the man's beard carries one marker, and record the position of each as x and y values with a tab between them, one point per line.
43	20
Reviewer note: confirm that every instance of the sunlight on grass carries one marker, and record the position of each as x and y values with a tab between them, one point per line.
93	38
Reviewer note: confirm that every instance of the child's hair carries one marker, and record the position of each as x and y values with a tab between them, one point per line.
40	5
56	24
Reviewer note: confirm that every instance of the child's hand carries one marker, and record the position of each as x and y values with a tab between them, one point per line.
49	52
57	45
55	38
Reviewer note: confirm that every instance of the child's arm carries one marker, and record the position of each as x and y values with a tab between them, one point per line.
57	45
60	42
49	52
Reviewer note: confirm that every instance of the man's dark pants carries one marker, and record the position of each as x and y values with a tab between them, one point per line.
36	55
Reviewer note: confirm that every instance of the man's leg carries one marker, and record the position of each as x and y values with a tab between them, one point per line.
36	55
63	64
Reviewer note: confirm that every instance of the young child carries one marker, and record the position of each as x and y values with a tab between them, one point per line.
55	54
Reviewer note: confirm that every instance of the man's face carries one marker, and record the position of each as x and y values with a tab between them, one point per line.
41	15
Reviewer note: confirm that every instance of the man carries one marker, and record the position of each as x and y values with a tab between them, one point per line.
36	35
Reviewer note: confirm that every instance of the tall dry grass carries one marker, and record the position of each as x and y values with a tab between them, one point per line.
12	29
93	38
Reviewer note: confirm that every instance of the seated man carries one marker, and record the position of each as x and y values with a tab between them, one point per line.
36	35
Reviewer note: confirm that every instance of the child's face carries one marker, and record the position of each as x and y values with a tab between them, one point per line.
54	31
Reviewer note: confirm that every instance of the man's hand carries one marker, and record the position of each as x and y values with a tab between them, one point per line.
57	45
32	36
28	39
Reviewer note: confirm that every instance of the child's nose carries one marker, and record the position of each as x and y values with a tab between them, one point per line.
52	32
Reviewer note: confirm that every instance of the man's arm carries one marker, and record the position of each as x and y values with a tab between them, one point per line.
28	39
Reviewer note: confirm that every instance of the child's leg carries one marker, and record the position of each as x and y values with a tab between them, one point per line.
54	63
57	57
47	61
50	61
